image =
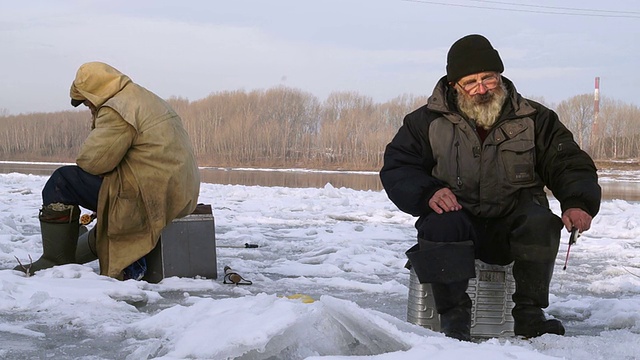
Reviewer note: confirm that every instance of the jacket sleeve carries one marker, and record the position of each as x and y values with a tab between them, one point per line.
107	143
408	161
568	171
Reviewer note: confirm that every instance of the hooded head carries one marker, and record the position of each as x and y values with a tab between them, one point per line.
96	82
472	54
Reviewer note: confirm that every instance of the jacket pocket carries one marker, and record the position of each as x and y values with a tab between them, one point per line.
518	159
127	216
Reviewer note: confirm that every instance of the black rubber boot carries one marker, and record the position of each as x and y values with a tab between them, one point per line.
86	248
529	321
59	226
454	306
531	296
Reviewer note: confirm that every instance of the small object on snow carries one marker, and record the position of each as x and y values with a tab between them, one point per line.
245	246
26	269
572	240
305	299
86	219
232	277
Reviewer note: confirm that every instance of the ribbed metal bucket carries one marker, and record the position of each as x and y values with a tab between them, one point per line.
490	292
421	309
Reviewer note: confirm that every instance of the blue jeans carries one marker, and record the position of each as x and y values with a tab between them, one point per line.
71	185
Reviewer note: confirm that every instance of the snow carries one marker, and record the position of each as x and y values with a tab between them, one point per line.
328	283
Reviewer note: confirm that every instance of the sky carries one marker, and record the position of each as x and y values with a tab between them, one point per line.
378	48
328	282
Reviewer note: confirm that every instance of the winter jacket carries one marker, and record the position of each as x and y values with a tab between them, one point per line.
140	148
526	149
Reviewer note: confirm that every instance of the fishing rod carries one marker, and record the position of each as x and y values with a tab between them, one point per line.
572	240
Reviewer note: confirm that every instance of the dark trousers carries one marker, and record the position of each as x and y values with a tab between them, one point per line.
449	243
71	185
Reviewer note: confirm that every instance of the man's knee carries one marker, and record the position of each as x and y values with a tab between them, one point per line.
442	262
453	226
536	236
72	185
58	181
61	175
445	249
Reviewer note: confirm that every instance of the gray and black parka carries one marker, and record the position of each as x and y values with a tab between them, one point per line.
527	148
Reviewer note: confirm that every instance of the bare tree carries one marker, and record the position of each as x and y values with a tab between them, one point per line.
576	114
282	127
620	125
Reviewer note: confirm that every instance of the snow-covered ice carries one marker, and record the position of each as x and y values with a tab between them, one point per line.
340	247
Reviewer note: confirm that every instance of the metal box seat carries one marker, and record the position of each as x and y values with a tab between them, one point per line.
490	292
186	248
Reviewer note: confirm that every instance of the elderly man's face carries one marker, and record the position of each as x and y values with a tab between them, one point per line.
479	84
480	97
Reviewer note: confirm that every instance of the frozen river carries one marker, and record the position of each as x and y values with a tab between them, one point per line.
314	240
617	184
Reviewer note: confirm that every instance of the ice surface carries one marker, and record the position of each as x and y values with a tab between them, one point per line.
343	248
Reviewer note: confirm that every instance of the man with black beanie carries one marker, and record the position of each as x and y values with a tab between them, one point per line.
472	165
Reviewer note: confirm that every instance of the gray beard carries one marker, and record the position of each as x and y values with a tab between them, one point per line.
483	109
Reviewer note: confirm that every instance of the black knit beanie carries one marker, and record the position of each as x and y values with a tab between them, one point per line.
470	55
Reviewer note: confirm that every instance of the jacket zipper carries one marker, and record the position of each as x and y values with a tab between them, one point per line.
458	179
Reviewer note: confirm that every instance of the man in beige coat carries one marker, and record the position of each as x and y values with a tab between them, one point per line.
136	170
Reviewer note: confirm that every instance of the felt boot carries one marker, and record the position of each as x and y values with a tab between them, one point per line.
531	296
530	321
454	306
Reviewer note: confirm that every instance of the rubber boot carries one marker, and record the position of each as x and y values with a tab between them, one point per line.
86	247
454	306
531	296
59	226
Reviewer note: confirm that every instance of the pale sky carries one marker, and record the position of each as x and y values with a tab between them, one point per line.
377	48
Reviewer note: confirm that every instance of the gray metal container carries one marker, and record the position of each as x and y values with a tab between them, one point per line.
490	292
187	248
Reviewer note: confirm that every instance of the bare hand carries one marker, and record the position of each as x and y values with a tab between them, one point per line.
577	218
444	200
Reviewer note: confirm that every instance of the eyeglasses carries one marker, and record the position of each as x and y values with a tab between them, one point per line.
489	81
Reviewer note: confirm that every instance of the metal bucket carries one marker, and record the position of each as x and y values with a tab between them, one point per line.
490	292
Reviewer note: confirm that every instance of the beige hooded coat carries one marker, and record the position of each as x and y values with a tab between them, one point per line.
139	146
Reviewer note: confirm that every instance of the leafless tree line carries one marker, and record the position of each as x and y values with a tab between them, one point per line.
43	136
286	127
614	135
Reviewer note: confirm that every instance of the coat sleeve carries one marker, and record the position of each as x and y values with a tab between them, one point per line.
406	173
568	171
107	143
